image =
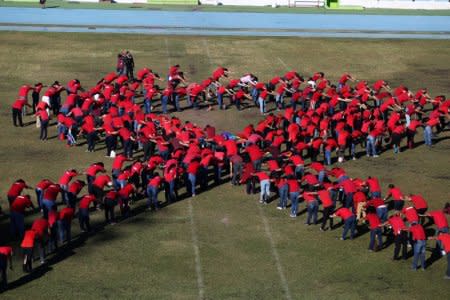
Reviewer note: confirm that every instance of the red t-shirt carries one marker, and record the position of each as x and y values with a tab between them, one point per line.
20	204
344	213
6	250
324	196
439	218
118	162
262	176
193	167
16	188
374	185
101	181
410	214
419	202
28	239
86	201
396	194
40	226
66	214
374	221
445	240
51	192
67	176
397	224
418	233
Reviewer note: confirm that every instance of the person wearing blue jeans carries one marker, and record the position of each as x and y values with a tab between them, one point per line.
265	191
419	238
312	209
283	191
293	196
349	221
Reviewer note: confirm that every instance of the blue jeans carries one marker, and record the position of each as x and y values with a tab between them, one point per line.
313	209
64	230
192	178
294	202
164	100
427	135
321	176
262	105
375	233
370	146
152	194
220	100
299	172
349	224
328	157
265	190
283	191
147	106
47	206
419	253
39	196
382	213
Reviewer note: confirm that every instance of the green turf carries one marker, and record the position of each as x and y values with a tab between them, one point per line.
152	254
226	8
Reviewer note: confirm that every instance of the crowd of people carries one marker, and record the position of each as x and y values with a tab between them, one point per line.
319	120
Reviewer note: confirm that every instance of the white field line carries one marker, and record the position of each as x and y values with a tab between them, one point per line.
275	254
194	235
283	63
198	265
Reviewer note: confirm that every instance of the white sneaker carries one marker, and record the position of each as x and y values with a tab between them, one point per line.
279	208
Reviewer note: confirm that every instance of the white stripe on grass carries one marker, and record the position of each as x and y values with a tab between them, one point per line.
194	236
275	254
283	63
198	265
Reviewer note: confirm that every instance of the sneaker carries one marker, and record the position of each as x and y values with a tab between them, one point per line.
376	155
261	201
323	229
293	216
342	239
279	208
446	277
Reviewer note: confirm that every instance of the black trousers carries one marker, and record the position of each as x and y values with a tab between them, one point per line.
326	216
401	242
17	116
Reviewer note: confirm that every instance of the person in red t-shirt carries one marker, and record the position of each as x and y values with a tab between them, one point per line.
397	197
65	223
444	239
27	245
110	202
17	109
400	235
16	188
153	187
6	253
83	212
41	227
349	220
375	229
191	173
420	244
17	210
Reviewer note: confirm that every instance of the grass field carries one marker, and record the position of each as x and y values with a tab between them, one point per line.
225	8
239	250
